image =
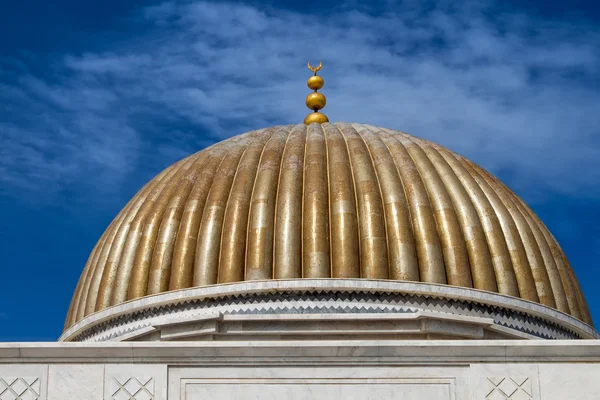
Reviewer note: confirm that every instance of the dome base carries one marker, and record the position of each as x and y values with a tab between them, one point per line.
327	309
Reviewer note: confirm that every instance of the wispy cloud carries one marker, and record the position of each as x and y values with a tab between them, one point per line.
515	93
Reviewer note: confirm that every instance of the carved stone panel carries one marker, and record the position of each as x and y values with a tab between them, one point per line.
505	387
20	388
504	382
137	388
23	382
135	382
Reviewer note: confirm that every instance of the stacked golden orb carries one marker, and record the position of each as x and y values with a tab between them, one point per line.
315	101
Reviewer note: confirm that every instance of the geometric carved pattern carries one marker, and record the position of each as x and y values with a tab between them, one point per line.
25	388
513	388
325	301
133	388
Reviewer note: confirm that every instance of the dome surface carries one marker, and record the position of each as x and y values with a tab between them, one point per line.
334	200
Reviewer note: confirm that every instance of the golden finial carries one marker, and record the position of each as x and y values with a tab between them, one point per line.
313	69
315	101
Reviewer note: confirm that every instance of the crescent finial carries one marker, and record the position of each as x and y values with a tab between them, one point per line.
315	69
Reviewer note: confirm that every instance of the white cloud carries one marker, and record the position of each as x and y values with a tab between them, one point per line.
514	94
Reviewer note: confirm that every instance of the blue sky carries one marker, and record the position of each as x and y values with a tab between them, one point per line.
97	97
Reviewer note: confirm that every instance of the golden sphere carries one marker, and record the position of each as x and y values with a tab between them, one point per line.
315	101
315	82
316	117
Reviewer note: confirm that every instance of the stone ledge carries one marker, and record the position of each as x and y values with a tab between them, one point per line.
401	352
151	305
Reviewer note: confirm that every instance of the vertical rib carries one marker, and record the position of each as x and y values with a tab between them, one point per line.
118	278
550	264
92	284
233	241
261	222
456	207
562	265
582	302
456	256
402	253
488	223
184	249
520	263
315	214
345	261
540	275
136	284
287	258
427	240
162	256
206	265
102	284
89	294
75	301
373	243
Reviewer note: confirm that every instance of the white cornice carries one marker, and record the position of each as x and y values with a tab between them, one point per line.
342	285
400	352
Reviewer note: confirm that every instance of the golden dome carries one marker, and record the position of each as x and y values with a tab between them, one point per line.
332	200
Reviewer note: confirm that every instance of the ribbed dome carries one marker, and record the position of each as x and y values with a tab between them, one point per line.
333	200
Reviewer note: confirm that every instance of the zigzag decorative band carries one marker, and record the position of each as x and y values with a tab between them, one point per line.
368	307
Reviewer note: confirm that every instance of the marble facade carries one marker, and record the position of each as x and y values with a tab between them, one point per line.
432	369
312	339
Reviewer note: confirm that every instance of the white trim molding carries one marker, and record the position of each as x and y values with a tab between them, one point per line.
312	309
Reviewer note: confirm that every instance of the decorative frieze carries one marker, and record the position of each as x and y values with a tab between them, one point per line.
503	323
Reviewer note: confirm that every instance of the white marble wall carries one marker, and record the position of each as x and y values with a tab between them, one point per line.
457	370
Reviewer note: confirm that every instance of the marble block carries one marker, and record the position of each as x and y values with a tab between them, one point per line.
570	381
81	382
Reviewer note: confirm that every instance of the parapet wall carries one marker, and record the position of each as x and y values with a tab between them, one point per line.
404	369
